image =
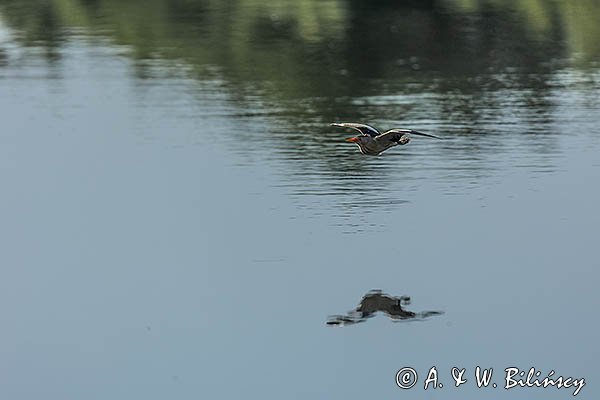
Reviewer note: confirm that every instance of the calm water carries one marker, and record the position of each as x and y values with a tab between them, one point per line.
178	219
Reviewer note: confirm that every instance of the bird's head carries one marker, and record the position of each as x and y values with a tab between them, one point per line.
357	139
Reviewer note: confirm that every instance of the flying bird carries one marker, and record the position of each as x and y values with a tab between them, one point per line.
372	142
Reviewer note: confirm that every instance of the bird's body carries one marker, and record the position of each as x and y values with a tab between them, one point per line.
374	146
371	142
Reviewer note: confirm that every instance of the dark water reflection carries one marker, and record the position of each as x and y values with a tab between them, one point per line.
375	301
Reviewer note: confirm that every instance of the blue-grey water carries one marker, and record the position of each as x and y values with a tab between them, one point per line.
177	219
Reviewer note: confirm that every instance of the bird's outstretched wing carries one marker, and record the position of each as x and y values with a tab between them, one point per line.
399	132
362	128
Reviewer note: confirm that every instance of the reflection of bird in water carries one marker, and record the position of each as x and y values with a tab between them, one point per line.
376	301
371	142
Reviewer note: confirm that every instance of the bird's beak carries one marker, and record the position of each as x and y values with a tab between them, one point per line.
352	139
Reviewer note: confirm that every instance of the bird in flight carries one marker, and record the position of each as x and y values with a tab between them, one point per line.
372	142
